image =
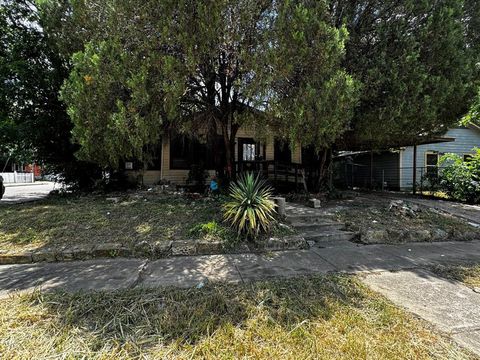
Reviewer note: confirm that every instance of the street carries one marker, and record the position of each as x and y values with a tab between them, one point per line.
17	193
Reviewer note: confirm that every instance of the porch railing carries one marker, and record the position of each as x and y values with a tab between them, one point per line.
277	172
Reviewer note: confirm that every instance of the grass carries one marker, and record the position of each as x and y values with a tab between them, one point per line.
132	218
324	317
467	274
67	220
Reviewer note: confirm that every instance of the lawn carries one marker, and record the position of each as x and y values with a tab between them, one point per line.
467	274
326	317
126	219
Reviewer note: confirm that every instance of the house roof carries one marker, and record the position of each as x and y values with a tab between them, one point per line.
349	143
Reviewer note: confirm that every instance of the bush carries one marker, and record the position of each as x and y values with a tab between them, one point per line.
210	230
251	208
460	179
197	176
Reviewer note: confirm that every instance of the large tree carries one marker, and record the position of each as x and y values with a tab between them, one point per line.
415	61
34	125
205	67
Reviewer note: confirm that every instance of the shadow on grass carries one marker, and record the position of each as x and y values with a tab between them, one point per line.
189	315
72	220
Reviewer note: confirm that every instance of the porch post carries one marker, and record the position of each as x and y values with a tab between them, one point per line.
414	169
371	169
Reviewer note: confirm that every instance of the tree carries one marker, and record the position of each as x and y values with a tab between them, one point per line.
415	61
34	125
205	67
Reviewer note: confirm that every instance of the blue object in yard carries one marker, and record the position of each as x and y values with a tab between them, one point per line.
213	185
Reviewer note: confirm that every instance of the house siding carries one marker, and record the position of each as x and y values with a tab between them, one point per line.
466	138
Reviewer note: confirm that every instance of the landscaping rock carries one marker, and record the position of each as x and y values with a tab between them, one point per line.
273	244
205	247
374	236
183	248
110	250
280	203
421	235
143	248
64	255
295	242
162	248
400	207
439	234
44	255
15	258
314	203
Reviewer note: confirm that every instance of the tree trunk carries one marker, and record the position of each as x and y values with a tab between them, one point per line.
325	162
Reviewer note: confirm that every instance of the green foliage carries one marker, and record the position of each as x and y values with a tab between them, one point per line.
473	115
416	63
460	179
250	209
205	67
34	125
211	231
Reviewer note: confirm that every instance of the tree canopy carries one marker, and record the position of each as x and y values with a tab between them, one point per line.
416	63
34	125
330	73
215	65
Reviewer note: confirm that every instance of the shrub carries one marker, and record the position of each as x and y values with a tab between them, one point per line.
250	209
460	179
197	176
210	229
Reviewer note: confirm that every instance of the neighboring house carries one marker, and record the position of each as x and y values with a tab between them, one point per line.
176	155
460	141
394	169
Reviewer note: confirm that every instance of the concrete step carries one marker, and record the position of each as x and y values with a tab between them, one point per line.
318	226
292	219
332	243
329	236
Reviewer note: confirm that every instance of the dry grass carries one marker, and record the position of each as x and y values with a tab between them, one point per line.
327	317
59	221
467	274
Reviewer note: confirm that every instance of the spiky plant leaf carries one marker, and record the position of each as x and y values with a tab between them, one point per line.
251	208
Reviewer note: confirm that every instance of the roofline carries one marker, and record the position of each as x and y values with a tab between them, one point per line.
475	126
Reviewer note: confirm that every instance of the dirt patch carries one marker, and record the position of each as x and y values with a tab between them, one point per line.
385	221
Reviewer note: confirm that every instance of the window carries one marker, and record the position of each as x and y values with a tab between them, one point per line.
185	152
431	163
249	151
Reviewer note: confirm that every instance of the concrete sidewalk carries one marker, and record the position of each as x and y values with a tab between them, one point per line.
451	306
109	274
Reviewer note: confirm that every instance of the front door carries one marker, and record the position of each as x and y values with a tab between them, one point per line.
248	151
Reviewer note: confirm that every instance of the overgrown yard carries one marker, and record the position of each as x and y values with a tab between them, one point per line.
127	219
378	220
467	274
326	317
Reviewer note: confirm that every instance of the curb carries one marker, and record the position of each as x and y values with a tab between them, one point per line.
144	249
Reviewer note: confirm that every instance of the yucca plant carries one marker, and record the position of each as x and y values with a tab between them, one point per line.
251	208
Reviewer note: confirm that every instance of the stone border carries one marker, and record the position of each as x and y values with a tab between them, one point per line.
145	249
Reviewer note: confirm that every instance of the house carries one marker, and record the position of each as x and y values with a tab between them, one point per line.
176	154
399	169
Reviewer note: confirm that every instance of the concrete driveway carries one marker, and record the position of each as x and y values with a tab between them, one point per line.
18	193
